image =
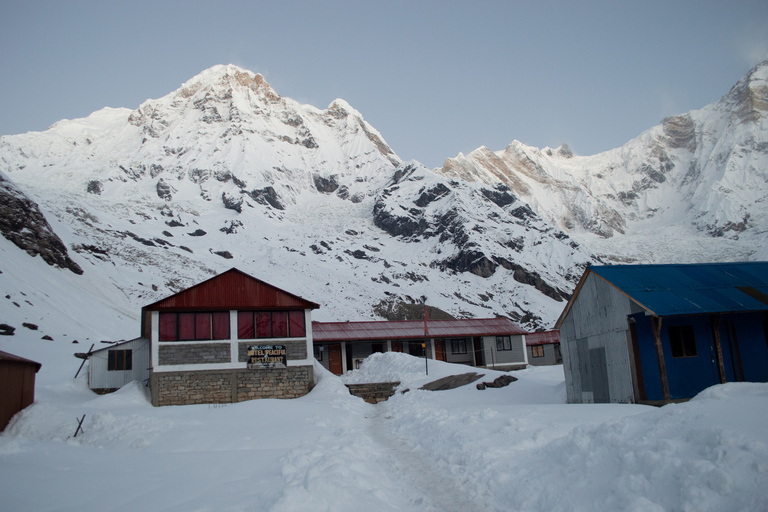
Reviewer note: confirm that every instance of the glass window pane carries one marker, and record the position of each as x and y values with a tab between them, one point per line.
186	326
203	326
280	324
263	325
167	326
296	319
220	325
245	327
128	359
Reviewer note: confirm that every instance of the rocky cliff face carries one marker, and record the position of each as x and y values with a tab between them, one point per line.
704	171
22	222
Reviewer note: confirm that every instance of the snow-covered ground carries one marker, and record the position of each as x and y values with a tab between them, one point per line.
515	448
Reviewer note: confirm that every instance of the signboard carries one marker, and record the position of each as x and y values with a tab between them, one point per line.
267	356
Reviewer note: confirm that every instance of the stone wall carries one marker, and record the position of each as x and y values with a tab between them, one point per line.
228	386
373	392
203	353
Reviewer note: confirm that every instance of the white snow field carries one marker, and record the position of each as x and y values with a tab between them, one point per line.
517	448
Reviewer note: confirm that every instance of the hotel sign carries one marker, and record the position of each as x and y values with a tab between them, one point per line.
267	356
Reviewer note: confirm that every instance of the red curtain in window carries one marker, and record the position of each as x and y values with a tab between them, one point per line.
167	326
203	326
263	325
186	326
280	324
220	325
296	320
245	328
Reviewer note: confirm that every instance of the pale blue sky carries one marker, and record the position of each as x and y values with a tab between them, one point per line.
435	78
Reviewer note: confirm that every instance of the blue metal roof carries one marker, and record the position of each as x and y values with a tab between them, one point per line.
691	289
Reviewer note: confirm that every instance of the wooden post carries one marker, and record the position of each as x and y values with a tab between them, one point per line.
715	319
656	324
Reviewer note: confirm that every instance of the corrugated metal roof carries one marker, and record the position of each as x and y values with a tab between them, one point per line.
5	356
542	338
666	290
412	329
232	289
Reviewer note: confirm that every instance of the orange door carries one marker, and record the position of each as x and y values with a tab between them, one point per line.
440	350
334	359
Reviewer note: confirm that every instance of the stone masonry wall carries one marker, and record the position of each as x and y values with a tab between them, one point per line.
228	386
205	353
296	350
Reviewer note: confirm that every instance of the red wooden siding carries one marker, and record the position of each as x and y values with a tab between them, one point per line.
231	290
17	385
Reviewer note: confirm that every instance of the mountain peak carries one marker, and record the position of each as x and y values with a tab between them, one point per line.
230	76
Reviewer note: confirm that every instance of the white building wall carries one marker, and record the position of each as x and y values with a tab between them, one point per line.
99	377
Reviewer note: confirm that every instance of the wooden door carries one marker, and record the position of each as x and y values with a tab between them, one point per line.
478	346
334	359
440	350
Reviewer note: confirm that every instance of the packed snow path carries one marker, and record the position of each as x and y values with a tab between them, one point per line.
430	486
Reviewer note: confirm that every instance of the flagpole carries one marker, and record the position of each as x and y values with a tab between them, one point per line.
426	333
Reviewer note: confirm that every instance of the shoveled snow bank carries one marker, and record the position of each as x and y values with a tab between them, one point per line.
514	448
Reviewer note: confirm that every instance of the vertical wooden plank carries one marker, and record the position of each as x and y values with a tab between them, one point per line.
656	324
715	320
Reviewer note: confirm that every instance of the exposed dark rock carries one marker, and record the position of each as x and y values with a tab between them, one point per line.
267	196
47	337
232	203
327	185
452	381
351	232
144	241
433	194
397	225
6	330
198	232
500	382
500	196
94	187
357	197
168	234
174	223
164	190
394	309
22	222
31	327
185	248
680	131
470	261
343	192
358	254
232	228
224	254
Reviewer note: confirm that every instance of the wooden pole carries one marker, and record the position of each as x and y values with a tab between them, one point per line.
656	324
87	355
715	319
80	426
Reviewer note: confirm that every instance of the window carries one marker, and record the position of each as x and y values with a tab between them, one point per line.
194	326
459	346
318	352
537	350
503	343
270	324
118	360
682	341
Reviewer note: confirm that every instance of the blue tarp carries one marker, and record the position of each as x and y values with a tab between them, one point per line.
692	289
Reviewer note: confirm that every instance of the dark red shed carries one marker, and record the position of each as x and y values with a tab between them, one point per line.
17	385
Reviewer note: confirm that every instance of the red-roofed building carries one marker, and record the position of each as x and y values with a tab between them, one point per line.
543	348
229	339
488	342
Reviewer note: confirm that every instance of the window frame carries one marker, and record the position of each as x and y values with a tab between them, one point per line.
289	323
537	350
117	357
682	341
456	346
506	343
187	324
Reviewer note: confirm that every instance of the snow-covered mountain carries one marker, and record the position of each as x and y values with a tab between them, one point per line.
694	188
225	172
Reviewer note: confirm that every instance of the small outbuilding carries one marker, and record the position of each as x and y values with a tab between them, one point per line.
660	333
229	339
496	343
17	385
112	367
543	348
